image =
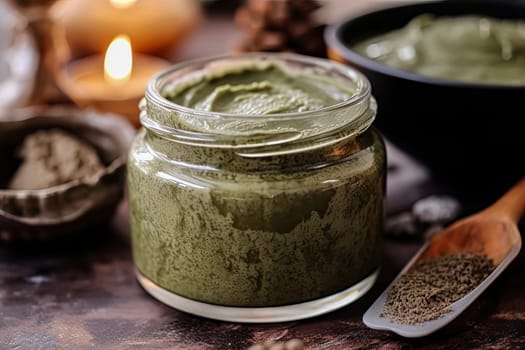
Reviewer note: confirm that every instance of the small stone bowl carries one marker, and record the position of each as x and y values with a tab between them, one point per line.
72	207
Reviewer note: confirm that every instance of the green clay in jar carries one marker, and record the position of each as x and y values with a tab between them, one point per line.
256	88
262	231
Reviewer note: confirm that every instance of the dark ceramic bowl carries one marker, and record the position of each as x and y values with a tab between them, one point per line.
470	135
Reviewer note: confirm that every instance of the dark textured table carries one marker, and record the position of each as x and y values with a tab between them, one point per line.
82	294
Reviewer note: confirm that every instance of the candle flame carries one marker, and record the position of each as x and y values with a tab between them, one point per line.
122	4
118	61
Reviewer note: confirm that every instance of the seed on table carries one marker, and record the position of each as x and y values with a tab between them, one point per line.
277	346
294	344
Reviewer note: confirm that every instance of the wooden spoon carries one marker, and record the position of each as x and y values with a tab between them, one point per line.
492	232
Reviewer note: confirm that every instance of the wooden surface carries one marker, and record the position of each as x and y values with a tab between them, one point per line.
82	294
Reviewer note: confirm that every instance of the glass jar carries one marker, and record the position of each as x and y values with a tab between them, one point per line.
257	218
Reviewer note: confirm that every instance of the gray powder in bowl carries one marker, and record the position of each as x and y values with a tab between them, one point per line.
54	157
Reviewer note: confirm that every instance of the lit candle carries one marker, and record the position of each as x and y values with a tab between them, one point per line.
118	61
154	26
114	82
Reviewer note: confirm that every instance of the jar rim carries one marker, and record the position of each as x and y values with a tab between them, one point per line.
362	88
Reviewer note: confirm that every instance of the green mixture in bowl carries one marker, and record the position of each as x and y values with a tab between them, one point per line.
473	49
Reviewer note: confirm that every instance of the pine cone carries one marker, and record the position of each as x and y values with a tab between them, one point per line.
280	25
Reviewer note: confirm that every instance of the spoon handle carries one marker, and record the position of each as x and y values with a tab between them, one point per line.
512	203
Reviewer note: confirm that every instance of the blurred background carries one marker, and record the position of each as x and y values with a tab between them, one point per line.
42	40
96	56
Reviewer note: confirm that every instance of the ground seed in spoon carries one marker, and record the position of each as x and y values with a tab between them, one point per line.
426	292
